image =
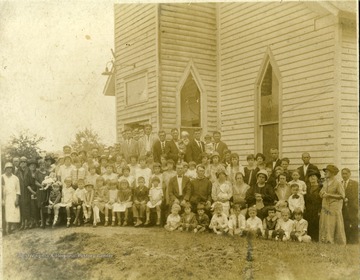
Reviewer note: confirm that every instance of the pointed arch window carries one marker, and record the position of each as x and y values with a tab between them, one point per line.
268	102
190	104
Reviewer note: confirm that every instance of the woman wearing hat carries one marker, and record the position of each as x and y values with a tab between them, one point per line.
30	193
313	204
261	193
331	227
11	195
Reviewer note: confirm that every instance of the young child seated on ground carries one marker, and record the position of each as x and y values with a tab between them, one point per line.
283	226
66	201
141	197
78	200
237	221
295	180
156	196
253	227
269	223
111	199
219	221
299	232
173	220
202	219
188	220
296	200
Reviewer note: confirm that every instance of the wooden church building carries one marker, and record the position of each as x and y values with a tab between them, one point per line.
270	74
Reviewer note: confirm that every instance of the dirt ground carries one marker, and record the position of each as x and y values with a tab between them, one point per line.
153	253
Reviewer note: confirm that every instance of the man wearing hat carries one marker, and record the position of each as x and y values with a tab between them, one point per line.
11	195
351	207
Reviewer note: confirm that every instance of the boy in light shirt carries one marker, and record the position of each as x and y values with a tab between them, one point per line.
253	226
284	226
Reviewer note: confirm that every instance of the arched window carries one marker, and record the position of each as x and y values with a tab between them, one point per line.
268	102
190	105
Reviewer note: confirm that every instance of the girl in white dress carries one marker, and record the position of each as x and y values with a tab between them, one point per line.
155	199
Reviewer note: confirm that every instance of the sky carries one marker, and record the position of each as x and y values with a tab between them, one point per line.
52	55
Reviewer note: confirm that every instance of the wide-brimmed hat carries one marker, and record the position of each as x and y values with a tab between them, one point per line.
263	172
312	172
332	169
48	157
23	159
32	161
8	165
215	154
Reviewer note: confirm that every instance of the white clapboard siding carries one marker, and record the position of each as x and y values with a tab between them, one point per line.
304	55
187	32
135	49
349	124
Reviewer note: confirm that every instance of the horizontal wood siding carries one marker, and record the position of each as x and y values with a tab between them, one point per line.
187	32
349	102
304	54
135	49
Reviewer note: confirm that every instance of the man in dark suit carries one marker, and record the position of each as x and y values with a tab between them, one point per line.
179	187
195	148
306	167
160	145
351	207
172	150
275	160
219	146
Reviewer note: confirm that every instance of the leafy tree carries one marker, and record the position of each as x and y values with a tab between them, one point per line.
86	140
24	144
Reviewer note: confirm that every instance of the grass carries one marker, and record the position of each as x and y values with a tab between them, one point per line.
156	254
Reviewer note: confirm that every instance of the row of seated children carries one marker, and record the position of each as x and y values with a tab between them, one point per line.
116	199
271	227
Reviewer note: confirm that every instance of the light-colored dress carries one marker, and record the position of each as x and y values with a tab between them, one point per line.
156	195
11	188
331	227
222	192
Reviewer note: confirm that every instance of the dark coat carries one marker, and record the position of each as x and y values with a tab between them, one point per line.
174	189
193	151
220	149
304	177
172	151
157	151
350	211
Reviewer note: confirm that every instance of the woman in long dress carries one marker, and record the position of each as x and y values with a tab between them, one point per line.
11	196
331	219
313	204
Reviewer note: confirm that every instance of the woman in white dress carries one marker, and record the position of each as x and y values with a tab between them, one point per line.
10	196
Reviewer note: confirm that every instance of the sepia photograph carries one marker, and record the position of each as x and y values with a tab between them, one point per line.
179	140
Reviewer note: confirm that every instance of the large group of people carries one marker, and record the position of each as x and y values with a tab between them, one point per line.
196	185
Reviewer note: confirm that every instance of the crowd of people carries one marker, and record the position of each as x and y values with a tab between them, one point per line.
182	184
